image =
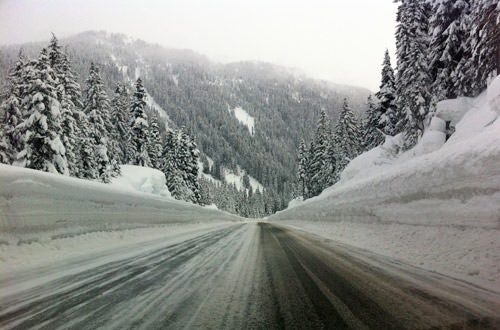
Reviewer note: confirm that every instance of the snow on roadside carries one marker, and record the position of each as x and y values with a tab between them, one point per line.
37	206
14	258
436	206
469	254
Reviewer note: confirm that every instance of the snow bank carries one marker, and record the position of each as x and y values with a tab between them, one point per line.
435	206
453	109
36	206
142	179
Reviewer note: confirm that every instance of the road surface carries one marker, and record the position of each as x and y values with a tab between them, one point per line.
243	276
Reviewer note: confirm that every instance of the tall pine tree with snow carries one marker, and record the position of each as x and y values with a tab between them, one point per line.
319	167
69	96
302	167
373	126
447	35
386	115
41	128
120	112
139	128
347	133
11	108
412	79
485	42
187	156
4	149
347	140
95	107
155	143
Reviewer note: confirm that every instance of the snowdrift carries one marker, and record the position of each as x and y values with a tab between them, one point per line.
142	179
35	204
436	206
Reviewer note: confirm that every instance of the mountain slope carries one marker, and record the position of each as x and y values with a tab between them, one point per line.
189	90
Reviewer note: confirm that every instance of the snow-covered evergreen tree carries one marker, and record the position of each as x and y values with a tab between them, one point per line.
347	133
155	143
412	79
302	167
69	96
463	75
11	108
372	127
175	181
446	46
5	151
120	112
41	128
95	107
139	128
485	42
386	115
319	167
188	155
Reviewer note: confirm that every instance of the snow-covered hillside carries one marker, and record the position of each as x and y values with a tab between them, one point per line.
230	177
435	206
243	117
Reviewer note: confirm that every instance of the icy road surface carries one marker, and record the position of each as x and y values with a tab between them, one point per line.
241	276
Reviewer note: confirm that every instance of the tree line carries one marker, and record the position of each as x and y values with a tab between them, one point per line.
50	125
444	49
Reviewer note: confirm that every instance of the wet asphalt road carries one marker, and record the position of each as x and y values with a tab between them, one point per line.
250	276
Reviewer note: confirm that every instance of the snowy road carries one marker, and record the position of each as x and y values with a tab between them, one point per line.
242	276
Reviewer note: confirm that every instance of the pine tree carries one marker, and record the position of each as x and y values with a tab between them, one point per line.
446	46
319	167
120	111
187	156
464	71
69	96
205	196
96	106
412	79
41	129
485	42
139	128
302	167
372	132
176	182
88	168
347	133
386	115
4	149
11	108
155	145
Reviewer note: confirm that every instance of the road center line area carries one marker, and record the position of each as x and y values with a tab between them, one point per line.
247	276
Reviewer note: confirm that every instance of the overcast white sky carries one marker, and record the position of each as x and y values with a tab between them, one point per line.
338	40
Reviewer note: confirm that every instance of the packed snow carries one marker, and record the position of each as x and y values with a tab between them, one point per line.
243	117
142	179
37	207
435	206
